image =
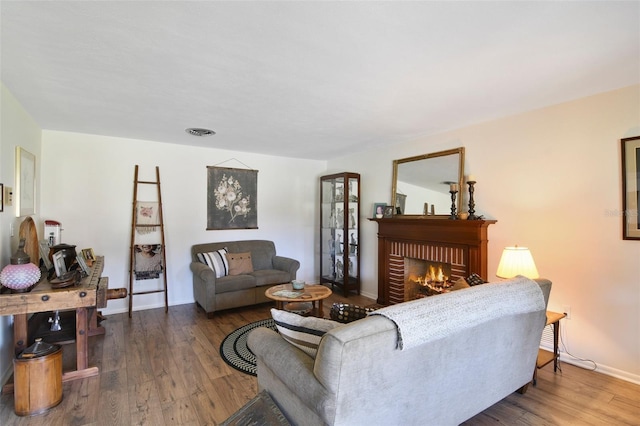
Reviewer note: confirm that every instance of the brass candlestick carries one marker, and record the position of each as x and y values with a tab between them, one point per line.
453	205
472	203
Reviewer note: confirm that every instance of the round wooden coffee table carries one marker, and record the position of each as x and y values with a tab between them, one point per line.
284	293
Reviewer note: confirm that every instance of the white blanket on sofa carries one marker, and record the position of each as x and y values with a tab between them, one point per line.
431	318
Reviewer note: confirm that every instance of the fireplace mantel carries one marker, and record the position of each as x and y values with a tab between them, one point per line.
465	238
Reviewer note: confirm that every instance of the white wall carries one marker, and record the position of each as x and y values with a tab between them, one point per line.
552	179
89	189
17	128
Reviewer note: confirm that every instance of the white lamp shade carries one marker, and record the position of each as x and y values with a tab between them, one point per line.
517	261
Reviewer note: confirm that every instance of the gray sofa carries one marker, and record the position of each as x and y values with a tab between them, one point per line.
481	345
233	291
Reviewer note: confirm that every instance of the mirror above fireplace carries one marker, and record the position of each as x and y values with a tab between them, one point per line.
420	184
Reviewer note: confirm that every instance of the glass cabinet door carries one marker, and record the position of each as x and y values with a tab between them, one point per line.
339	231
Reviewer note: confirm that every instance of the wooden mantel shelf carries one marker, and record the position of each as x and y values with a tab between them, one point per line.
438	229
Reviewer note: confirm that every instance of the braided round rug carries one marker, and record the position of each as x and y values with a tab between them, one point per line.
234	350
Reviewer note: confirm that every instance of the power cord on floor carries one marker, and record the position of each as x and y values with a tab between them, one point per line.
565	351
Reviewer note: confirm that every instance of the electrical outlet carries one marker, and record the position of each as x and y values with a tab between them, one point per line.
8	196
567	310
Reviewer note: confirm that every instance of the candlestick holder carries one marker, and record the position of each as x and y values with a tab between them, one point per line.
453	205
472	203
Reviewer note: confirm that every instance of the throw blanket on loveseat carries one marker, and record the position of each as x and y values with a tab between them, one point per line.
463	311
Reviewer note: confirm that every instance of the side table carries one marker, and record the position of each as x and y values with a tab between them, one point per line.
544	356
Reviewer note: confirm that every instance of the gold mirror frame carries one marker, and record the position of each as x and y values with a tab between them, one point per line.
433	177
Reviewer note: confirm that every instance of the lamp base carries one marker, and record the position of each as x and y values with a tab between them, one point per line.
22	290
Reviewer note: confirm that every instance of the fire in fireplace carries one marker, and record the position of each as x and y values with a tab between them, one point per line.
425	278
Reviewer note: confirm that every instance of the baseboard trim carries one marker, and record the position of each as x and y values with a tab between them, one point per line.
604	369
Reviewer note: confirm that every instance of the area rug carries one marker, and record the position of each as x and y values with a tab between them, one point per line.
234	350
260	411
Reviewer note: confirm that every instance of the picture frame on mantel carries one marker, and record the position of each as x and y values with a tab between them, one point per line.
388	212
630	188
378	210
25	182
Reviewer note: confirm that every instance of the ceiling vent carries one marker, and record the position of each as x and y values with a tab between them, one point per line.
195	131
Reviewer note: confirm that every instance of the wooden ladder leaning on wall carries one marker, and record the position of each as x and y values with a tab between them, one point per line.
134	227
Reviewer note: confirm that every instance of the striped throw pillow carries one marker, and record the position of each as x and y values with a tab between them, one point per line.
217	261
302	332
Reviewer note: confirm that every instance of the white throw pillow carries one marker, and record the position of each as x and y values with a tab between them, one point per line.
217	261
302	332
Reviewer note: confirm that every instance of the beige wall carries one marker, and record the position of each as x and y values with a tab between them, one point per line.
551	178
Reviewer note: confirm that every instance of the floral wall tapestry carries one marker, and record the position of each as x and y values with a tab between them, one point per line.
231	198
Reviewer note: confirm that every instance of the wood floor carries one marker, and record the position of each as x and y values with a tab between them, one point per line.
165	369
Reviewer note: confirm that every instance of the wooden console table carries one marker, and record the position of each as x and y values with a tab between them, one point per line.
84	298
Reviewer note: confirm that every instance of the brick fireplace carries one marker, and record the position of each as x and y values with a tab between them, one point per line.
460	244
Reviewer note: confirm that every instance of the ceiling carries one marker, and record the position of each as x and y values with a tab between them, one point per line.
307	79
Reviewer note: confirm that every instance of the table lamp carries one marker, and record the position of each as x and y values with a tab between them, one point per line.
20	274
517	261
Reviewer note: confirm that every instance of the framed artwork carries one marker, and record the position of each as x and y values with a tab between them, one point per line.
401	200
58	263
88	254
25	182
44	254
378	209
231	198
630	188
83	264
388	211
1	197
148	262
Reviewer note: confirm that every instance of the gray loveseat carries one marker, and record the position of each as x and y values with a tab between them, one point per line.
479	345
233	291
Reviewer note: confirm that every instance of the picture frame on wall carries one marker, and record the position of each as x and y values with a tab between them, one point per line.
1	197
231	198
25	182
630	188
